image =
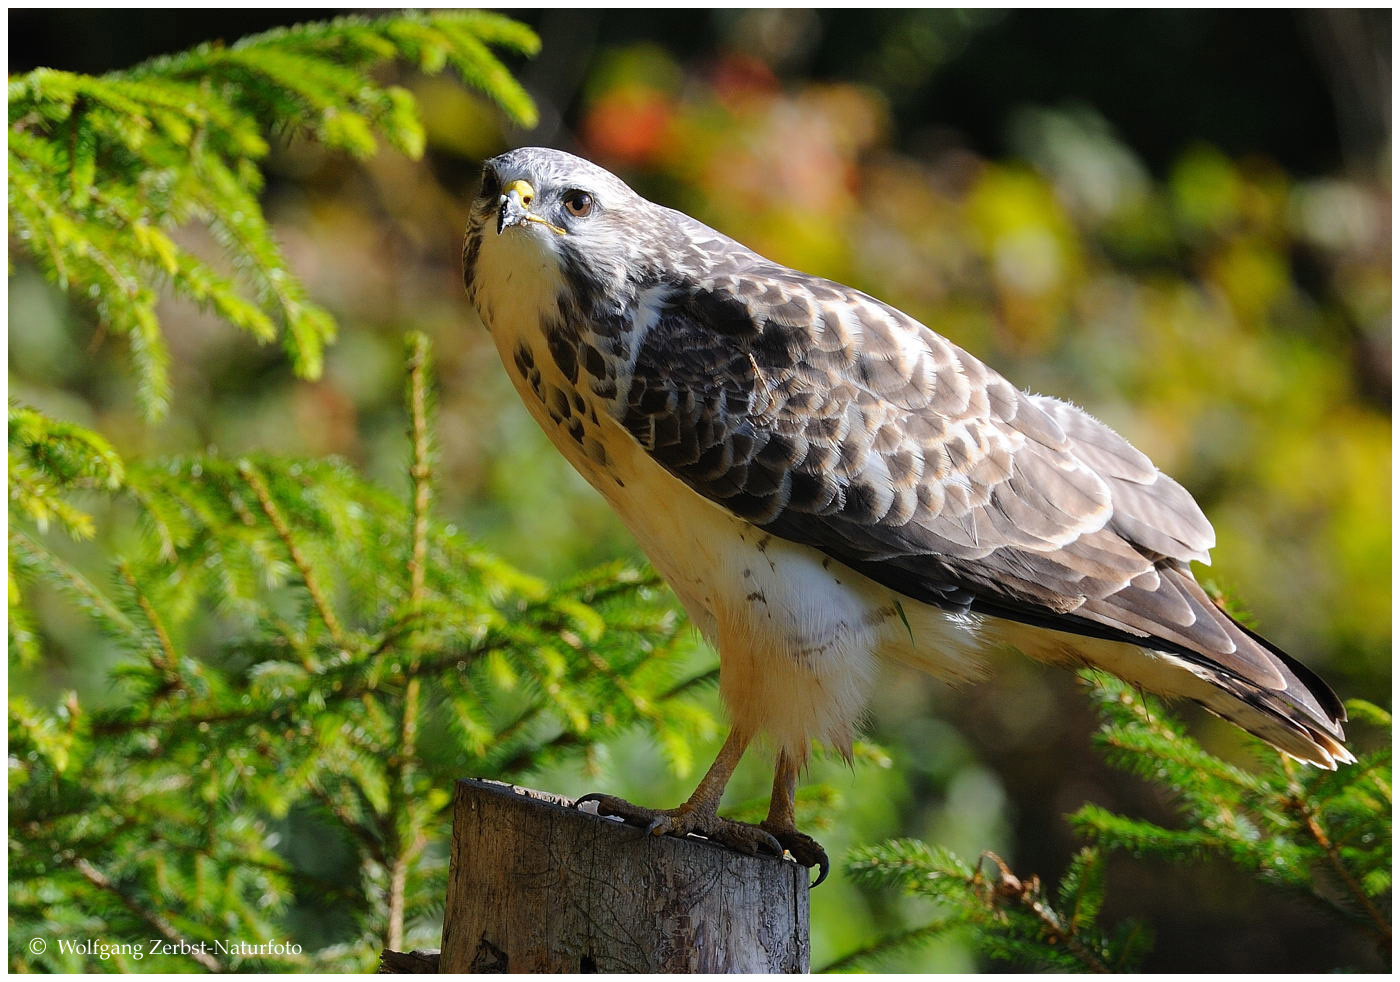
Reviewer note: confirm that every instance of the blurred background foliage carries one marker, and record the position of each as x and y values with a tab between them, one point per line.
1179	220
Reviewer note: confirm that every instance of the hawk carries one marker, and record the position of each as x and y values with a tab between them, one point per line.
827	484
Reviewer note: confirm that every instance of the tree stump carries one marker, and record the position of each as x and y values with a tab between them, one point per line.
409	962
536	886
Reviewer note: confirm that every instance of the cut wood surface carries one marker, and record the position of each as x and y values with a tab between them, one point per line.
536	886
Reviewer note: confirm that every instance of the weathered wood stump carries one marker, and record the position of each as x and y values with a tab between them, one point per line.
536	886
409	962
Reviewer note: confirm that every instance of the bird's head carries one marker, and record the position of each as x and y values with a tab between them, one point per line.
551	212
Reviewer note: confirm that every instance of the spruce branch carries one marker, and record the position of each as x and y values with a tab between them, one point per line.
349	822
165	660
1006	916
419	370
403	759
329	725
29	555
1279	823
249	472
1057	929
900	941
1271	824
104	170
158	922
1299	801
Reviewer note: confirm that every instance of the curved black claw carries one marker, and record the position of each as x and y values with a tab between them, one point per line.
740	836
805	849
752	839
595	797
647	819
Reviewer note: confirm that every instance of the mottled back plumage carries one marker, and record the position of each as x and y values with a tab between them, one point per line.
826	418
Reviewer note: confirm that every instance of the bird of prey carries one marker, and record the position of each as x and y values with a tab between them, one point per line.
827	483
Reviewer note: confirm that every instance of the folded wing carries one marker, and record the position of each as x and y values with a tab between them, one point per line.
833	420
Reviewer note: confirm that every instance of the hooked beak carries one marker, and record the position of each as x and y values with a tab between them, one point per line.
515	205
515	208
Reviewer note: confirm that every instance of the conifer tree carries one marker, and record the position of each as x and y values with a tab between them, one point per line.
1324	836
103	168
308	657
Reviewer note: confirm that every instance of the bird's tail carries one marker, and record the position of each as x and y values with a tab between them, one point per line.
1303	718
1294	711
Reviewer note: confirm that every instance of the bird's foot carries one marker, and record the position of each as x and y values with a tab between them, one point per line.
683	821
803	848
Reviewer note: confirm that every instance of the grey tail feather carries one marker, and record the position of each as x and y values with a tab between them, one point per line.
1302	720
1327	699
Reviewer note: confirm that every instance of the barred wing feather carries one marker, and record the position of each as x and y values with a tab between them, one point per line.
833	420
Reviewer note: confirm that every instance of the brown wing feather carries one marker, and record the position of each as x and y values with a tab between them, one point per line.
829	418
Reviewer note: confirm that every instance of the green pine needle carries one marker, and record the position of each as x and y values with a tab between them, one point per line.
103	169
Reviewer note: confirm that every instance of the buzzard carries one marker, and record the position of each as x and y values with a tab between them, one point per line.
827	483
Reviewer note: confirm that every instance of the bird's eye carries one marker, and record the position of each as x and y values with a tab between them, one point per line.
490	183
578	203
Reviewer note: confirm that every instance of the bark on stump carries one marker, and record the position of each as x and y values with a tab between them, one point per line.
536	886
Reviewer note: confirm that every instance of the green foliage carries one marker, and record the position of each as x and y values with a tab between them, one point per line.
1007	918
48	462
107	175
304	661
1322	835
305	647
49	459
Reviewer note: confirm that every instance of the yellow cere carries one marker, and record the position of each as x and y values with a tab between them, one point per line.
522	188
527	197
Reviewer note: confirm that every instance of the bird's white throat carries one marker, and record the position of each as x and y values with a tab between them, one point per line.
516	285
